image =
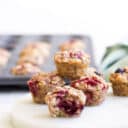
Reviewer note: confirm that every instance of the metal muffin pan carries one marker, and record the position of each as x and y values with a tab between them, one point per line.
19	41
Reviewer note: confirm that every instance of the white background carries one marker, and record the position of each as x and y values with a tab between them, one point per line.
106	21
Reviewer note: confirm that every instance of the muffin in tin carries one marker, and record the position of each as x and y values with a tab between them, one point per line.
4	56
94	87
41	83
30	52
25	69
43	47
71	64
72	44
65	102
119	80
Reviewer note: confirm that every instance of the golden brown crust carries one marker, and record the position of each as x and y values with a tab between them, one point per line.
4	56
71	64
94	87
42	83
120	83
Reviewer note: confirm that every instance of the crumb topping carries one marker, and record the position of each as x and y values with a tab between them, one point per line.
72	55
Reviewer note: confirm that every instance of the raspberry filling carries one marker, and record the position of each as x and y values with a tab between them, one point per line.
33	87
93	81
76	55
97	73
69	107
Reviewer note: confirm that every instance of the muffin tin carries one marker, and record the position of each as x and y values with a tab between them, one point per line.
15	43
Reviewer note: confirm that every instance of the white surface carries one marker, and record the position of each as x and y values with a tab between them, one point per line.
111	114
7	99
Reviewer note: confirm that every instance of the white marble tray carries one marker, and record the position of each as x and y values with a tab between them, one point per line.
113	113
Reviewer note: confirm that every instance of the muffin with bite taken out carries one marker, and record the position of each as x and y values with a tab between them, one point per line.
72	44
65	102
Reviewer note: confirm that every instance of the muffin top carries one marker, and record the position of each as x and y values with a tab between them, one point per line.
119	76
68	91
72	56
35	60
48	78
30	52
36	49
25	69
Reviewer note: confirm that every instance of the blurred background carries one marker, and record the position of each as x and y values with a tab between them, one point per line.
104	20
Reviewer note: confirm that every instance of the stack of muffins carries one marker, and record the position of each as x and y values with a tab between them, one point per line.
72	86
30	58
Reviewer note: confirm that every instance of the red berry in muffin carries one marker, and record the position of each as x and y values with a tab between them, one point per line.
65	102
40	84
94	87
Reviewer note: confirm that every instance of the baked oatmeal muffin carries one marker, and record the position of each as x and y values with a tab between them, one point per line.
32	59
4	56
40	84
25	69
65	102
43	47
30	52
34	53
71	64
92	71
119	80
72	44
94	87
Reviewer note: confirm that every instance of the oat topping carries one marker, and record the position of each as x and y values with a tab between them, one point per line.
119	80
72	44
65	102
92	86
72	55
41	83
